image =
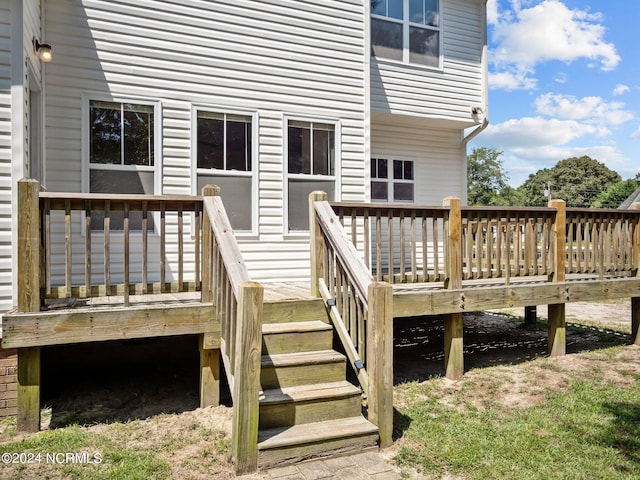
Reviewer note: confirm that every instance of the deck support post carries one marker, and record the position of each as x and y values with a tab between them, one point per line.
530	315
316	242
453	324
635	301
380	359
209	374
28	301
556	323
246	382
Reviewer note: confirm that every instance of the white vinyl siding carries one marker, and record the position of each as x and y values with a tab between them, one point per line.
276	58
450	93
5	158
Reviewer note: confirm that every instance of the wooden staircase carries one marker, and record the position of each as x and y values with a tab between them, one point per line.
307	407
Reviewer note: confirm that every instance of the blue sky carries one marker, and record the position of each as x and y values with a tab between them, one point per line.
564	81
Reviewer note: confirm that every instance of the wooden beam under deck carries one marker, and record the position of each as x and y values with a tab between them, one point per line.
415	300
21	330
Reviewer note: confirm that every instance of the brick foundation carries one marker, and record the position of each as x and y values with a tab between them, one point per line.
8	382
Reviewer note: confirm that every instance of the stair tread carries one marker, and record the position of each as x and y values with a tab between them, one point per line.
300	393
309	358
295	327
315	432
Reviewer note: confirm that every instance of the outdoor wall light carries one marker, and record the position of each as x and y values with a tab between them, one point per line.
42	50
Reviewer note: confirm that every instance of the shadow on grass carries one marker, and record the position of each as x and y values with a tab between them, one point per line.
489	339
624	433
401	424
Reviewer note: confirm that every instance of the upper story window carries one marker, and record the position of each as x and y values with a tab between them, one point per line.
311	148
121	142
224	157
406	30
392	181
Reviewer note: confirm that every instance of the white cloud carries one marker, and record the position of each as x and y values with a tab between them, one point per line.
537	132
636	135
546	31
590	109
492	11
561	78
620	89
516	80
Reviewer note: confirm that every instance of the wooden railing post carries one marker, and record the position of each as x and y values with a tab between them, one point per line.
453	341
246	383
316	242
209	344
635	301
380	359
556	313
28	301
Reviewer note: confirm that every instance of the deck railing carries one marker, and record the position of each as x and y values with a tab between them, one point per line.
407	244
359	307
239	305
82	228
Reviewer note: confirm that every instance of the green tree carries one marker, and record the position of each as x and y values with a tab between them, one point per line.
616	194
577	180
486	176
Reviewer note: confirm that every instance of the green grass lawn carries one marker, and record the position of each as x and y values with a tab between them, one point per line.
589	429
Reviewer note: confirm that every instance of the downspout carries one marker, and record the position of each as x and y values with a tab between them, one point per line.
475	132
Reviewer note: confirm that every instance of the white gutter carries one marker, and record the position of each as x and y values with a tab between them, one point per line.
475	132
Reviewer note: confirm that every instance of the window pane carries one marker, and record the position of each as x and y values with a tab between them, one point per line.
236	195
323	151
380	191
395	9
105	135
397	169
298	203
424	46
210	143
119	181
138	134
416	11
386	39
408	170
238	145
379	7
403	192
299	149
432	16
382	168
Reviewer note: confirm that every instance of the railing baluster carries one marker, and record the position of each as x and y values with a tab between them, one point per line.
378	245
47	246
87	248
67	248
163	244
196	252
414	253
145	247
402	248
367	240
126	253
107	247
180	250
425	263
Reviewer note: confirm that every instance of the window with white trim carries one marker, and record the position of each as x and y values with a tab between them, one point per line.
224	158
392	181
406	30
311	166
121	154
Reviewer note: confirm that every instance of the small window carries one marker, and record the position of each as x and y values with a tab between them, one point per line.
406	30
397	187
224	158
310	166
121	154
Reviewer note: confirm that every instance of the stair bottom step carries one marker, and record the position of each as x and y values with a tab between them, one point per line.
279	446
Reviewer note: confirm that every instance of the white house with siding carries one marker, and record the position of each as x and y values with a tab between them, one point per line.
270	99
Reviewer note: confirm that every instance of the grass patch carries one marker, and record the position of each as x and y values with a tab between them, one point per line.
590	430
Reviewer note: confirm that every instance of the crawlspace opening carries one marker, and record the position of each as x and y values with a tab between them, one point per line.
120	380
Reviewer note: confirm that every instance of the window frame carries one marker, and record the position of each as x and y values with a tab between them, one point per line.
391	181
195	170
87	166
406	36
335	178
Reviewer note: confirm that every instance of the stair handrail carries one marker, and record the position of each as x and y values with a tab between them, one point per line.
359	306
238	305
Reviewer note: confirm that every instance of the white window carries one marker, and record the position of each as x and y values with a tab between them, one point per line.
311	165
392	181
224	153
121	150
407	31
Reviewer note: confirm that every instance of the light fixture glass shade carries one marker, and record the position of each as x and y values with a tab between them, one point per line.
44	53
